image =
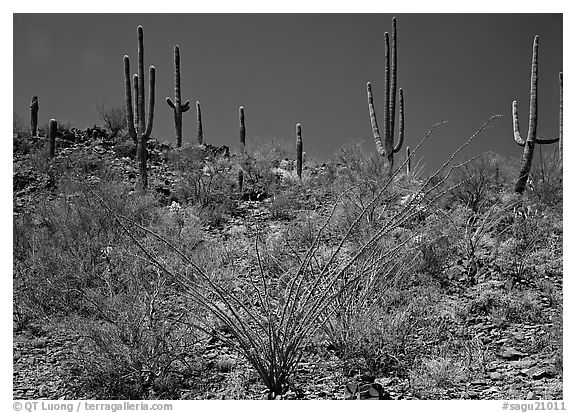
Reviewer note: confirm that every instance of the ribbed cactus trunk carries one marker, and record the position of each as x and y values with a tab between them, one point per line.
561	120
52	131
299	150
200	135
242	130
34	116
177	105
387	149
408	161
531	139
140	128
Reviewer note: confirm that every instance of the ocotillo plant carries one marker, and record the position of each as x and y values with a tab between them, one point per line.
561	120
141	132
177	105
388	149
408	160
531	139
53	129
34	115
242	145
299	150
199	124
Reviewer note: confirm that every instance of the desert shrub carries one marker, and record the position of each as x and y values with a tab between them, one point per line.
203	179
531	247
21	143
125	148
505	307
114	118
547	180
18	124
74	269
480	180
58	248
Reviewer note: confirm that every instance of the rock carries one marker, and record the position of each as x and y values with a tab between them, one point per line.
367	391
523	364
531	396
538	373
511	353
495	376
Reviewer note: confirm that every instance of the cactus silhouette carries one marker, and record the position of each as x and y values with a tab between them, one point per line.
561	119
242	130
34	116
242	145
299	150
139	128
199	124
52	131
388	149
177	105
531	139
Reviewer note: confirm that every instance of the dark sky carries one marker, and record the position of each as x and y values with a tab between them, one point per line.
290	68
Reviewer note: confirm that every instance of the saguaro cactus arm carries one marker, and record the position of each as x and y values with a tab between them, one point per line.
199	124
400	122
128	99
136	111
516	128
152	87
374	121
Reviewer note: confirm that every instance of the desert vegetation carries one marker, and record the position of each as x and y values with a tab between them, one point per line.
146	270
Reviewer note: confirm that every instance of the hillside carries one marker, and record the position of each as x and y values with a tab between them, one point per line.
339	284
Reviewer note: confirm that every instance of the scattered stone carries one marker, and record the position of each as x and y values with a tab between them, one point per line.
495	376
511	353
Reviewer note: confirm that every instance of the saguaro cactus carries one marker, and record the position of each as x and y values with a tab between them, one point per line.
138	127
561	119
34	116
408	160
199	124
531	139
177	105
299	150
52	131
242	145
242	129
388	149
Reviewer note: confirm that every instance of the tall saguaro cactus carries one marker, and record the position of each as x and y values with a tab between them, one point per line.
200	134
531	139
52	131
177	105
34	116
388	149
299	150
242	144
561	119
139	128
